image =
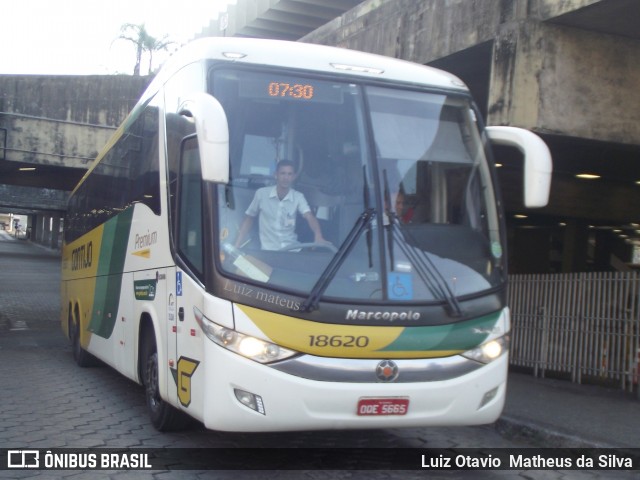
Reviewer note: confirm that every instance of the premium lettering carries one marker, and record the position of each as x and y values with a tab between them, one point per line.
146	240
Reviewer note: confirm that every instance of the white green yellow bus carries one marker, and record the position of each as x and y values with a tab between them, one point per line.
398	318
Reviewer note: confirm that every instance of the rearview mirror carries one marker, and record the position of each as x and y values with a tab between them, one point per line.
537	161
212	130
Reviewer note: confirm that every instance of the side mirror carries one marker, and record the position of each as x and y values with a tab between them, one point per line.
212	130
537	161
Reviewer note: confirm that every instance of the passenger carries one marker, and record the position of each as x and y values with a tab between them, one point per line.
277	207
404	212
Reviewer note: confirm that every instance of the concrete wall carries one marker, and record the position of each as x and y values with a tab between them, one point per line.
585	75
14	198
566	81
98	99
418	30
53	142
63	120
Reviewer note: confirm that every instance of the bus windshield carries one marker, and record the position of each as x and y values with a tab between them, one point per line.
388	195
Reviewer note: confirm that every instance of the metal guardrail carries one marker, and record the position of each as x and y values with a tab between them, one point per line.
586	325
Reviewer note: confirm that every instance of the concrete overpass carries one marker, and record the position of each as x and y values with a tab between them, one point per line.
568	70
51	129
278	19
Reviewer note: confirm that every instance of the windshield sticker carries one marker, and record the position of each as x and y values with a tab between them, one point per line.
261	296
400	286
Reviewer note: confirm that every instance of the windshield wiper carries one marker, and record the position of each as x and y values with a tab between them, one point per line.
362	223
367	206
426	269
345	248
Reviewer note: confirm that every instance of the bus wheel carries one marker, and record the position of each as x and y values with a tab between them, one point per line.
80	355
163	416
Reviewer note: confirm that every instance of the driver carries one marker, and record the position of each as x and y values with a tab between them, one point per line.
277	207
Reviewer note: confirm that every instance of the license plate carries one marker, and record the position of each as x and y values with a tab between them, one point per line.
383	406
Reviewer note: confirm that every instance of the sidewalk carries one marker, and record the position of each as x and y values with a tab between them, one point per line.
10	236
545	412
558	413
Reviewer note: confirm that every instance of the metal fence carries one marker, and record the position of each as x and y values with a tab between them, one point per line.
586	325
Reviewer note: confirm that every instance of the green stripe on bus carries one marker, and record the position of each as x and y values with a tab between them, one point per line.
113	251
461	336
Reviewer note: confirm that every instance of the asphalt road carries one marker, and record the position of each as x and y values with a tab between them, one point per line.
48	402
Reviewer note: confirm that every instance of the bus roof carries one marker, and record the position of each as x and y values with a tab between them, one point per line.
306	56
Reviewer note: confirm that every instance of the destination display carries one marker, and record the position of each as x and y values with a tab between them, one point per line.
291	88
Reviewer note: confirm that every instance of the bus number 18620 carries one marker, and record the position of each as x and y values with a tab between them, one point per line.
338	341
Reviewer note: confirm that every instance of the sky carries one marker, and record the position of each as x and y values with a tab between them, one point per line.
80	37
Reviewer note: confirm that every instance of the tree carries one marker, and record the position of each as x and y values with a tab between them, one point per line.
138	35
155	45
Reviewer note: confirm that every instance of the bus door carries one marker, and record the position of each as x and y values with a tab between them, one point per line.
185	340
171	326
188	290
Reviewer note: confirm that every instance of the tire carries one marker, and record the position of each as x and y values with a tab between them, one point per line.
80	355
164	417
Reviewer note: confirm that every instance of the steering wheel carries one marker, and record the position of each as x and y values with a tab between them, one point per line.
298	246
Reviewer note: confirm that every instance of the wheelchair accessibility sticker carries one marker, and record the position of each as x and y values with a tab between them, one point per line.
179	284
400	286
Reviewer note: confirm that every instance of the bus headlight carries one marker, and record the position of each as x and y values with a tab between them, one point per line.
250	347
488	351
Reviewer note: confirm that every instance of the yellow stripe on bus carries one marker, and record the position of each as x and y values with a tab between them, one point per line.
80	260
333	340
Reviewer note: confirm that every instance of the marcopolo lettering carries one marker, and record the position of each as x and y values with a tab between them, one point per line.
388	316
82	257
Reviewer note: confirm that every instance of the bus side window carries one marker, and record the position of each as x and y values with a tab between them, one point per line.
190	232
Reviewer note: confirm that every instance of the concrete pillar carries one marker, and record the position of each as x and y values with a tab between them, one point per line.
29	227
33	223
55	232
39	229
576	243
46	230
602	251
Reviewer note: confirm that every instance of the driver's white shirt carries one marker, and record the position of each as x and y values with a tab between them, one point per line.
277	218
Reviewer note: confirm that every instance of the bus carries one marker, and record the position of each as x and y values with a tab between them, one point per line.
398	318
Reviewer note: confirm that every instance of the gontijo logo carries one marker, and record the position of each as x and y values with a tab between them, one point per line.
82	257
